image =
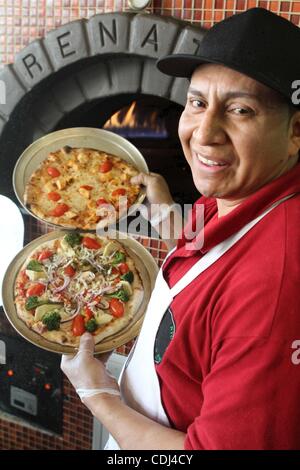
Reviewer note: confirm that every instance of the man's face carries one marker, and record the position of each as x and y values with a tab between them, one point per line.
234	132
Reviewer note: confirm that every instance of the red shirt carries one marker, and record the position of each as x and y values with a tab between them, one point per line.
227	376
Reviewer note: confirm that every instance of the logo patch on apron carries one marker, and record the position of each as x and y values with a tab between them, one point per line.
164	335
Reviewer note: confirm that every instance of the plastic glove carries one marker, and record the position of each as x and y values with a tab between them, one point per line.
157	189
87	374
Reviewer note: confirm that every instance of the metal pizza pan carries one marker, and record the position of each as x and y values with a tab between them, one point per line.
145	264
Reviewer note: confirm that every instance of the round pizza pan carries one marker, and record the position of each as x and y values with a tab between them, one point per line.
83	137
144	263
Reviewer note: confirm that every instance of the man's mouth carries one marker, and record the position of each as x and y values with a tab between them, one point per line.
208	162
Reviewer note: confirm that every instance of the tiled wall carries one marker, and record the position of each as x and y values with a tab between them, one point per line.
22	21
77	429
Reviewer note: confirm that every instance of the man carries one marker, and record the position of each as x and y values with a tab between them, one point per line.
228	376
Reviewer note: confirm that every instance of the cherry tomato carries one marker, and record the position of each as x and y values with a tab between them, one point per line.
97	299
101	201
36	289
114	270
119	192
78	327
45	254
88	314
59	210
123	268
53	196
86	186
116	307
91	243
105	167
69	271
53	172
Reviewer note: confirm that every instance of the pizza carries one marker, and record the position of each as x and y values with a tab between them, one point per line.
76	283
81	187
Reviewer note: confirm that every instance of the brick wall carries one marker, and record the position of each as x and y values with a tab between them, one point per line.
22	21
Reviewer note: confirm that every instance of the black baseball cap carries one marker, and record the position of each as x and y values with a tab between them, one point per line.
257	43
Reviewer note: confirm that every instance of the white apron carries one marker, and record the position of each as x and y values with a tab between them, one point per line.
138	381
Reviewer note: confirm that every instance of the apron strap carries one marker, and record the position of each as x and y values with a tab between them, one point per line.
216	252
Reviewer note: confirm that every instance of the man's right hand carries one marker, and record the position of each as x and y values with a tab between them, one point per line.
158	194
157	189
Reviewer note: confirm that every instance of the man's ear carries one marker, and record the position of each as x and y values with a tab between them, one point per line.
294	130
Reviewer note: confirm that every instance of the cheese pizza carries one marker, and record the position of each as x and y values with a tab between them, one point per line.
81	187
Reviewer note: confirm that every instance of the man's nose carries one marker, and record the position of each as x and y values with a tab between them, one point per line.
209	129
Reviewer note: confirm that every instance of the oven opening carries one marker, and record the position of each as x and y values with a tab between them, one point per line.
151	124
138	120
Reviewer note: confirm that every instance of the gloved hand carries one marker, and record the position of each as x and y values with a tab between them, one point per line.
87	374
159	198
157	189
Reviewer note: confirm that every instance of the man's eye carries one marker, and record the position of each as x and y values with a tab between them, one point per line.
196	103
240	111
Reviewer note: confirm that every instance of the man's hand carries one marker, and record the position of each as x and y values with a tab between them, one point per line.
85	371
157	190
131	429
167	225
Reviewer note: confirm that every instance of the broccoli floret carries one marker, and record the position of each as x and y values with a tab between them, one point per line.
128	277
52	320
34	302
73	239
91	325
119	257
34	265
121	295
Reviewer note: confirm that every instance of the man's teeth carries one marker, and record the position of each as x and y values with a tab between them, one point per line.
209	162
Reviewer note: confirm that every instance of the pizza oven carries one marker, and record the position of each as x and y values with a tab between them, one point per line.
84	72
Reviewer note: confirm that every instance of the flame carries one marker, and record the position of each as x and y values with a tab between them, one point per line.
131	119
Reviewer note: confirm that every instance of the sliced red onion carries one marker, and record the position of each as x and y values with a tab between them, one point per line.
95	265
79	305
67	280
104	304
105	289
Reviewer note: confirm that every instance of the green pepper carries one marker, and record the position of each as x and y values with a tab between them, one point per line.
34	265
34	302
